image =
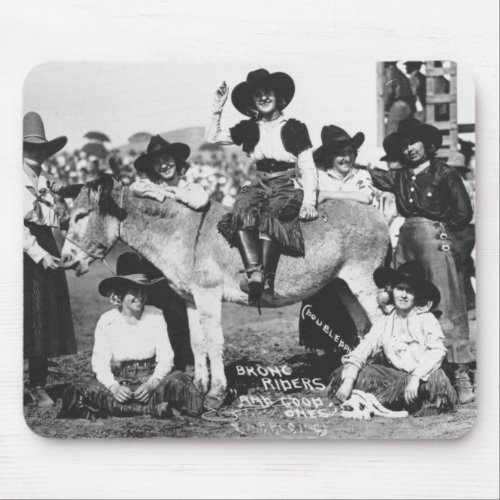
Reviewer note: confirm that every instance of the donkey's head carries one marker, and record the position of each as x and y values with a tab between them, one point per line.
94	224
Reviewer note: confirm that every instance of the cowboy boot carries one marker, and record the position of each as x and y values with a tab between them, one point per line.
248	244
462	384
271	251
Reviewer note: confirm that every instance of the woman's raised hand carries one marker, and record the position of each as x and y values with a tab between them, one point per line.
220	97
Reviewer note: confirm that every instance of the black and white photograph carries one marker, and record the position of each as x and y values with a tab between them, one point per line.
245	250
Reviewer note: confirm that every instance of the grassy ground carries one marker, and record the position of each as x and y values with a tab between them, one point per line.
269	340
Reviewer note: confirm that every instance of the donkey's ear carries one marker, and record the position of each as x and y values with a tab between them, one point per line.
70	191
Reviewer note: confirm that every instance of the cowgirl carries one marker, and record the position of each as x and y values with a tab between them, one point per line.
432	198
163	165
264	221
411	339
48	325
132	357
339	178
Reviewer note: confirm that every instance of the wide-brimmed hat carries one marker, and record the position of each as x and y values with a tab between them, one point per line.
334	138
34	134
428	134
457	160
411	272
157	145
282	83
130	269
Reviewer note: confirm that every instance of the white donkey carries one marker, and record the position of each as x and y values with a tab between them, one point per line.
348	241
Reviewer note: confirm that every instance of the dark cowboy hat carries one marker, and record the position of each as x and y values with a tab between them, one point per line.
412	127
282	83
157	145
411	272
457	161
334	138
129	269
34	134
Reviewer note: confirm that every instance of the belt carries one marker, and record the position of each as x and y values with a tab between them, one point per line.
270	166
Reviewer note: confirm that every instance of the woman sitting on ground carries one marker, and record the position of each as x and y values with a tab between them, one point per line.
413	344
132	357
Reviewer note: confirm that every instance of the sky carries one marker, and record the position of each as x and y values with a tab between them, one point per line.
121	99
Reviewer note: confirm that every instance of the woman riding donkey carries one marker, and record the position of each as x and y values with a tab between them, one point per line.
432	198
264	221
164	165
339	178
412	342
132	358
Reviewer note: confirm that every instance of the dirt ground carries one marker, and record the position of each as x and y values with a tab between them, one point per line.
265	407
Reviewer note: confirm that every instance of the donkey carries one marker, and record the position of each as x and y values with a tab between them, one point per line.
348	241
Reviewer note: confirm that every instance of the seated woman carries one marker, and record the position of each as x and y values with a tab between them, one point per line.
339	178
132	358
264	221
163	165
413	344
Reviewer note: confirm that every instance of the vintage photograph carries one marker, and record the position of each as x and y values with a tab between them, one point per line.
236	251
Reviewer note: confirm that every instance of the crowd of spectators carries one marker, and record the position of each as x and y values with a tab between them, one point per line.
220	174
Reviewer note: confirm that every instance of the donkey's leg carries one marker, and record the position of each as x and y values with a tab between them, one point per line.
359	278
201	378
209	304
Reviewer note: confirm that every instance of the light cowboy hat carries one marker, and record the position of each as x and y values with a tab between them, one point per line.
241	96
334	138
157	145
130	269
411	272
412	127
34	134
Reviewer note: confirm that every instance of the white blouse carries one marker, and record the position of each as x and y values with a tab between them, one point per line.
38	208
414	344
191	194
357	179
117	340
270	146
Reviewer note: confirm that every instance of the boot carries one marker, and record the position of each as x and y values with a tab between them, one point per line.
41	398
462	385
271	251
248	244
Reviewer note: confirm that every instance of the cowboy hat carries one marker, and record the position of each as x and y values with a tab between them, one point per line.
410	272
334	138
241	95
412	127
34	134
457	160
130	269
157	145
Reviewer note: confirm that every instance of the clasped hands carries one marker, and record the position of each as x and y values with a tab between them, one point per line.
124	394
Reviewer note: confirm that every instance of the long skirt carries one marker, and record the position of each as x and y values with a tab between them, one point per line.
433	245
332	320
92	400
388	385
175	313
48	324
268	206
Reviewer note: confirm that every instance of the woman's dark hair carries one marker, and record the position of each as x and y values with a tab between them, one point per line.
325	161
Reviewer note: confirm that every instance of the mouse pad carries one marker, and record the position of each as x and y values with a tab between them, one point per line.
237	251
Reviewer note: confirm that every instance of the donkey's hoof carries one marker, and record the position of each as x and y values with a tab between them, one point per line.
214	401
